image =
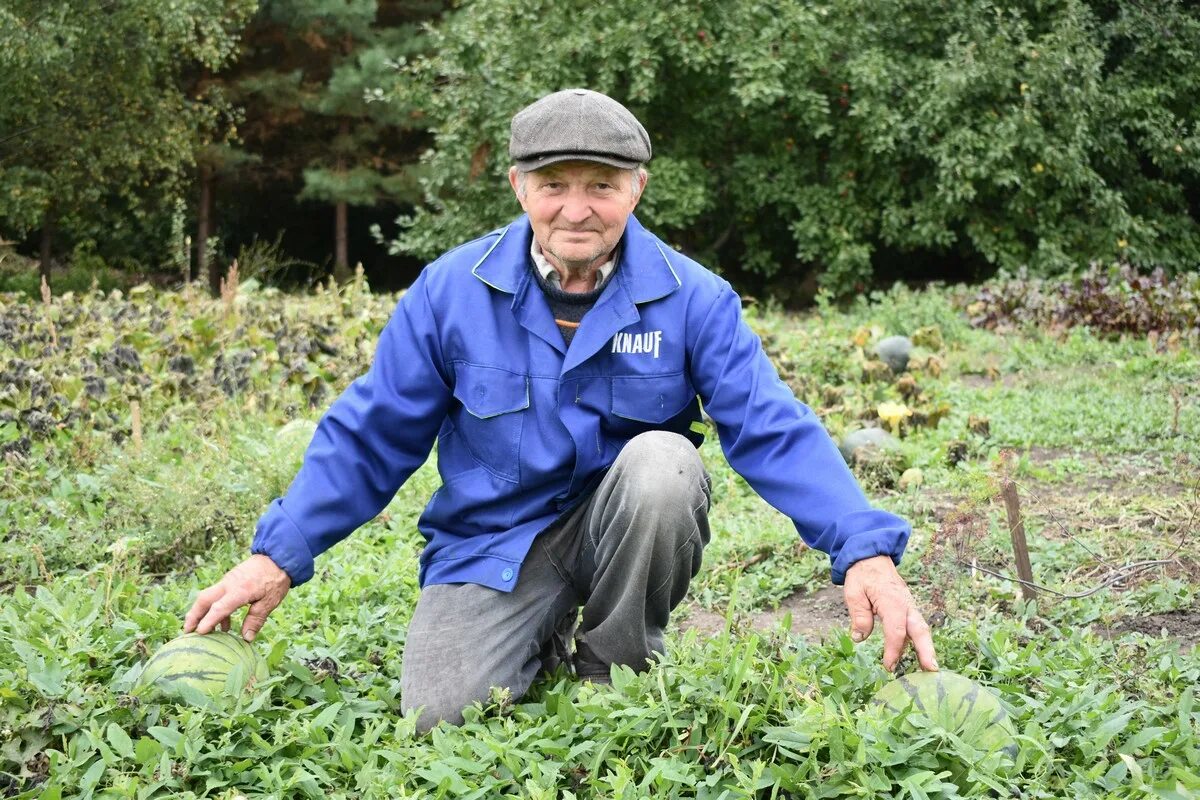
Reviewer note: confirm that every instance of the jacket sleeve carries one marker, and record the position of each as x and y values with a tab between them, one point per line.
780	446
374	436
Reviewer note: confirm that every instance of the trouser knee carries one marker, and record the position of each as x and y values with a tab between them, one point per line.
664	469
649	526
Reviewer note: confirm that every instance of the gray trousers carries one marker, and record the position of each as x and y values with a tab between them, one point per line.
626	555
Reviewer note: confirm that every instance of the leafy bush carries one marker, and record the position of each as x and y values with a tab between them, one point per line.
797	137
86	272
80	360
1111	300
99	136
70	372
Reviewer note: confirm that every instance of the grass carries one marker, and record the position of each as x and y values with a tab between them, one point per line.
1106	465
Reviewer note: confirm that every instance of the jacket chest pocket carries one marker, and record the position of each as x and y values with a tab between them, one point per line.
494	407
653	402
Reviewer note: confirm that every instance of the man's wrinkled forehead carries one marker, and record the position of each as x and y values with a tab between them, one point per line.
582	170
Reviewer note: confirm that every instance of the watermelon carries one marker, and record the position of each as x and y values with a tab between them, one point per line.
863	439
894	351
954	703
204	663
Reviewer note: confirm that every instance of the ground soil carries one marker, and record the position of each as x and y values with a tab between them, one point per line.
1111	474
813	615
981	381
1131	481
1181	624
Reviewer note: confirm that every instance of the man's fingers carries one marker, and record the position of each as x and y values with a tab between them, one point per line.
257	582
893	611
256	617
874	588
862	618
918	632
204	601
219	613
894	617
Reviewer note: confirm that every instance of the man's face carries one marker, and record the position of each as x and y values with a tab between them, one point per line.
578	209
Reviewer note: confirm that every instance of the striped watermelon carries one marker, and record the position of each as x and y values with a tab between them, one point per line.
204	663
956	704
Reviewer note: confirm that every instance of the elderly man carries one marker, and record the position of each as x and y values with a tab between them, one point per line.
560	363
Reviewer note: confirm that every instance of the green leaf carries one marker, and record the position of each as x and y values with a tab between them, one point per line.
147	750
92	777
327	716
1135	770
119	740
167	736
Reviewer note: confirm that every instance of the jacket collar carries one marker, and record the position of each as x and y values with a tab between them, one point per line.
645	269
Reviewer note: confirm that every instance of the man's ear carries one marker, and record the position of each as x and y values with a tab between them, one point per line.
645	178
512	181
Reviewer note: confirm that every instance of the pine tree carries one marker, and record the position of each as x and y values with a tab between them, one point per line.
303	81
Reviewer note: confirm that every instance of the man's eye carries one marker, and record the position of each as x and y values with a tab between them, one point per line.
604	186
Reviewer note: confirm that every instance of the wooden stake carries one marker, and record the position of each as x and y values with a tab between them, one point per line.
1176	400
46	298
136	409
1016	528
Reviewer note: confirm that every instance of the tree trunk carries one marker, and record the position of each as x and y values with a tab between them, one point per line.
341	261
203	224
47	247
341	255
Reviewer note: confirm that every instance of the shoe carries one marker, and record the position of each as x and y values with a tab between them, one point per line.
589	667
556	651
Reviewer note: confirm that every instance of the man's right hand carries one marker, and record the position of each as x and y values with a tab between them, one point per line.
257	582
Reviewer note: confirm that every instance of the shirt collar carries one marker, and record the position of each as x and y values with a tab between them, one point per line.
645	268
550	274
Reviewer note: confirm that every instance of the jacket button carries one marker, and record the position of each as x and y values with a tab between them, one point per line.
506	575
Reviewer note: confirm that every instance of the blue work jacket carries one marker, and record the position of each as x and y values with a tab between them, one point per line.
526	426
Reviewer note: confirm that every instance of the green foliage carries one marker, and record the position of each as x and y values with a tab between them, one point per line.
85	272
737	715
312	127
267	263
93	114
127	538
70	371
1116	300
795	136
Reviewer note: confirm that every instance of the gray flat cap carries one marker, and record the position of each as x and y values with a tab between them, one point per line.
577	125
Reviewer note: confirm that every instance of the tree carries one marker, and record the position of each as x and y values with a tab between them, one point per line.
303	82
800	138
93	113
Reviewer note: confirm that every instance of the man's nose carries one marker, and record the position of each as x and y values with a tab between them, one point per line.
576	208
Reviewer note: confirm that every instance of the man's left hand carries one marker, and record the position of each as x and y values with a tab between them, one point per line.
875	589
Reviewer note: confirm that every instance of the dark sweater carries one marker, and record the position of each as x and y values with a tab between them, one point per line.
568	307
